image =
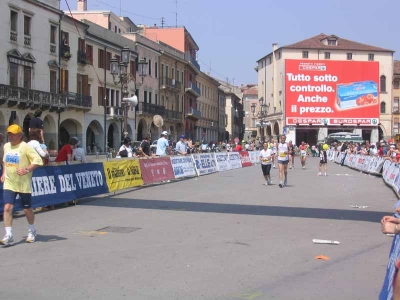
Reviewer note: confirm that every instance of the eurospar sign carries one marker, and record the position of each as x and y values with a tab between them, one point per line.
332	92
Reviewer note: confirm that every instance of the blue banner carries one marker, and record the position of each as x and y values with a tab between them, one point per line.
59	184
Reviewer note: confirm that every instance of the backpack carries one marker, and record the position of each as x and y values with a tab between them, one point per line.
123	153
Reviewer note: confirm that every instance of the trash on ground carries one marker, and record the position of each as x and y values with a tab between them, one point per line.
360	206
316	241
322	257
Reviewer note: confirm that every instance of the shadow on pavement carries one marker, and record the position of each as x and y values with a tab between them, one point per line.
241	209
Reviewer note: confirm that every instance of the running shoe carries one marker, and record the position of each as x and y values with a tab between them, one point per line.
270	182
266	183
319	174
281	184
325	174
285	182
31	236
274	167
7	240
303	167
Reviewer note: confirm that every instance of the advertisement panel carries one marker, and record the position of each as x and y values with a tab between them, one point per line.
122	174
204	163
245	158
332	92
156	169
183	166
223	163
234	160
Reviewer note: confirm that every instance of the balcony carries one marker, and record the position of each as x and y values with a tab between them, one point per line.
170	83
396	111
53	48
193	114
77	100
65	52
115	112
82	58
173	115
25	98
152	109
192	60
27	40
193	89
14	36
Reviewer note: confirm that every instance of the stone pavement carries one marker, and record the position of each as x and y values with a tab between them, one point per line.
221	236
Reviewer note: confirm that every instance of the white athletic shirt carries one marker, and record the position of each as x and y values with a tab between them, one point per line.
282	148
273	148
265	156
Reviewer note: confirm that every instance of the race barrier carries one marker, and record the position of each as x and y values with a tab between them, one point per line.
52	185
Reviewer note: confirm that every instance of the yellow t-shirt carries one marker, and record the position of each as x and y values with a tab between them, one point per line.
20	156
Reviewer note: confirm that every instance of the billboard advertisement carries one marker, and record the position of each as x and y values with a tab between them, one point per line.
332	92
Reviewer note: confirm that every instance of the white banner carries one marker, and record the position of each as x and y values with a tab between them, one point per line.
183	166
235	161
254	157
204	163
223	163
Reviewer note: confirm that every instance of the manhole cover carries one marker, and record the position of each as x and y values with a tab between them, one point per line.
117	229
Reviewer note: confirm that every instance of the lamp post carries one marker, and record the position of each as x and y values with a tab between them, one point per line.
261	115
119	71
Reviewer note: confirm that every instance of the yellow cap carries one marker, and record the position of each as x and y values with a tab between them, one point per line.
14	129
325	147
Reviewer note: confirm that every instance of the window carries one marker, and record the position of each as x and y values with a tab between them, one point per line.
279	55
101	59
119	30
173	73
149	67
13	21
89	53
155	70
150	97
396	104
383	107
183	79
53	82
27	25
115	28
262	64
270	59
349	56
156	98
162	100
53	34
100	96
133	68
396	84
145	97
305	54
167	71
383	83
82	87
108	61
327	55
112	98
118	100
371	57
13	74
65	38
332	42
81	45
27	77
64	80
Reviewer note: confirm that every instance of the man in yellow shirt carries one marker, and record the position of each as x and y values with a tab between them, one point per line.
19	161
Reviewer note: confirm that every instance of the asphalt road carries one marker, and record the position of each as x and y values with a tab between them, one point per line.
222	236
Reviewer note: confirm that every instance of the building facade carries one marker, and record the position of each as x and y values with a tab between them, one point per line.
250	98
396	98
271	82
222	117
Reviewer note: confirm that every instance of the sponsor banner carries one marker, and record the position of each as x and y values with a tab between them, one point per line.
332	92
396	183
156	169
122	174
183	166
245	158
235	161
254	157
223	163
59	184
204	163
387	288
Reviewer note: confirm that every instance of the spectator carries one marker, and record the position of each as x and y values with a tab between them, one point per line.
190	147
140	153
204	147
17	180
1	152
34	142
181	146
66	153
37	123
79	153
125	150
163	145
238	147
145	145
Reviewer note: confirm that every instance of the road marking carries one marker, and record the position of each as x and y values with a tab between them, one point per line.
249	296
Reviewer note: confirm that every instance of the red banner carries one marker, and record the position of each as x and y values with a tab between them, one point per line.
156	169
245	158
332	92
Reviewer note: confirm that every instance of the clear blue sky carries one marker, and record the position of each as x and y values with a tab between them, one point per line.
233	35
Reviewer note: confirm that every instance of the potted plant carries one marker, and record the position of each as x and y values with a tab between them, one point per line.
67	55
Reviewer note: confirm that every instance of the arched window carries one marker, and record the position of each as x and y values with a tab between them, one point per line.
383	83
383	107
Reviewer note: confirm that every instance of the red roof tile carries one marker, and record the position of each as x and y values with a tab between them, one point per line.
316	42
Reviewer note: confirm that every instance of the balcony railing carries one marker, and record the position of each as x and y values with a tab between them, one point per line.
396	110
30	97
171	83
115	111
194	113
192	60
194	89
153	109
27	40
77	100
13	36
53	49
82	58
65	52
173	115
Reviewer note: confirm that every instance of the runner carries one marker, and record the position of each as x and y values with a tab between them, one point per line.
266	160
303	154
283	160
292	153
323	161
273	148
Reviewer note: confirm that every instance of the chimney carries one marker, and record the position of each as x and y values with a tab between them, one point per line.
274	47
82	5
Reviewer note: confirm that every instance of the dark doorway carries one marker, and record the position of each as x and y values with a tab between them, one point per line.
140	131
309	136
110	136
380	133
64	136
25	126
366	134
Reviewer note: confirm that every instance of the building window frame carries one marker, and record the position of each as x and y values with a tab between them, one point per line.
349	56
371	57
305	54
327	55
383	107
382	85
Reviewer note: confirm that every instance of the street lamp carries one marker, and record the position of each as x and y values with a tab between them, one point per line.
119	71
261	114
